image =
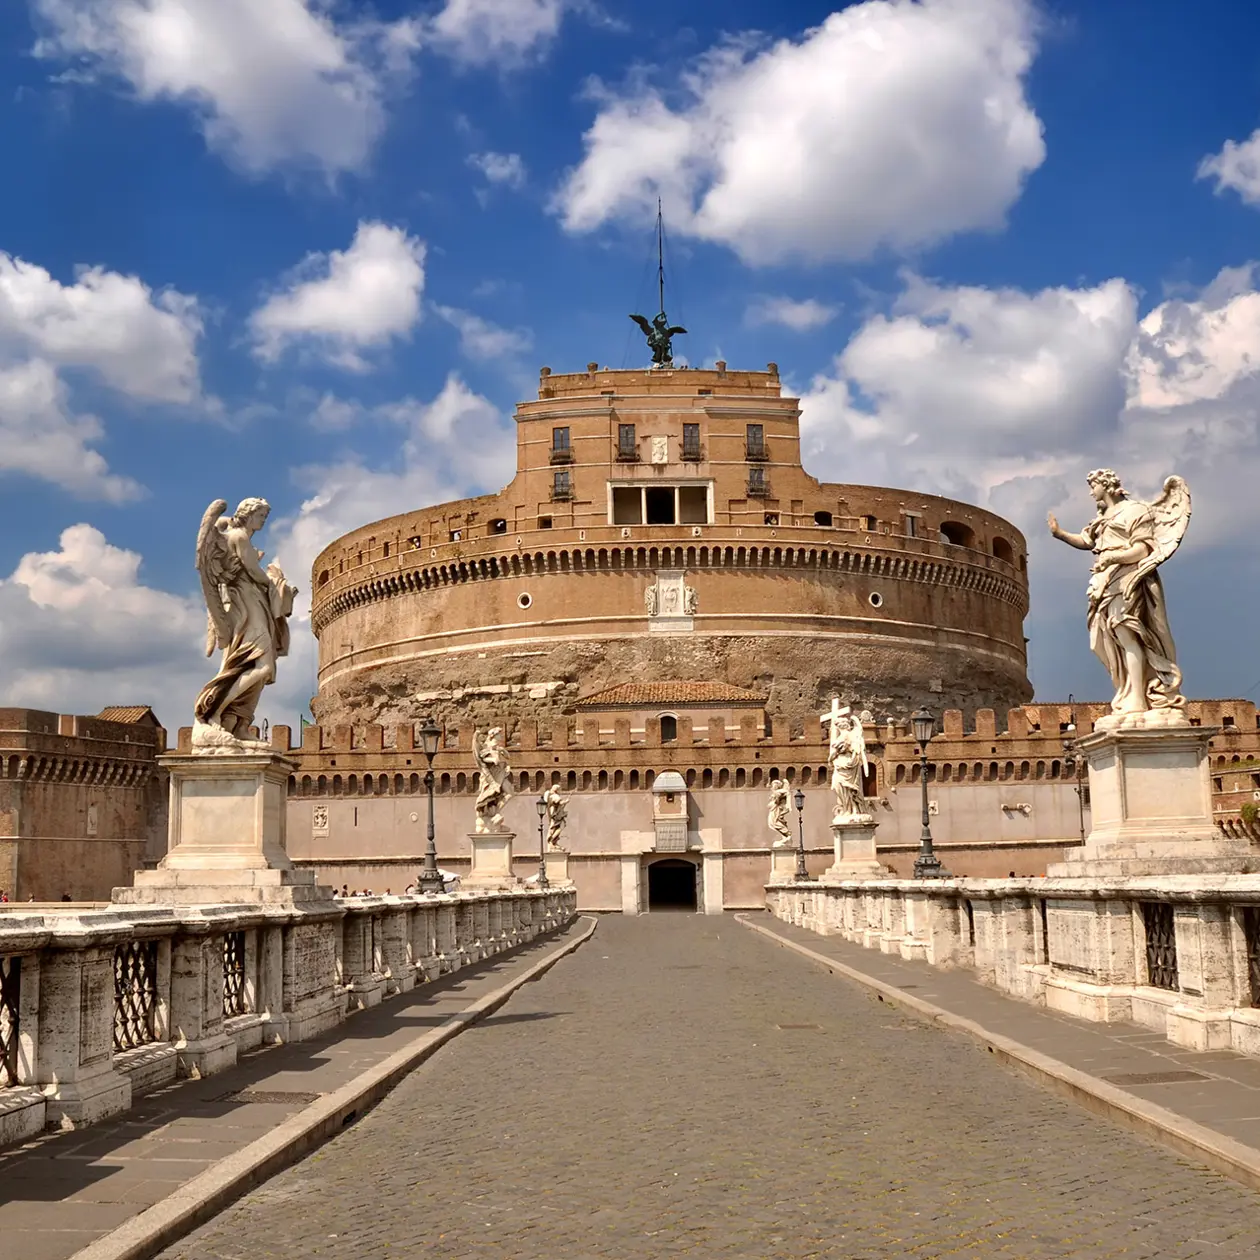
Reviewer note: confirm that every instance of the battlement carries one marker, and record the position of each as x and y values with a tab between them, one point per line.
659	381
1035	743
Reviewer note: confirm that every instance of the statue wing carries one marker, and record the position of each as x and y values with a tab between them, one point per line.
642	322
673	332
214	564
478	754
1171	511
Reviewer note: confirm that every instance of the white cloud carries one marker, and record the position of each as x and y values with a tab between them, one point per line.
478	32
507	169
480	339
111	327
1194	351
1006	399
272	81
894	123
798	316
40	436
1236	166
141	343
79	629
345	302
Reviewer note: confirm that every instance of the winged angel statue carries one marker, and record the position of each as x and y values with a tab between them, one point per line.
248	609
1127	615
660	335
494	786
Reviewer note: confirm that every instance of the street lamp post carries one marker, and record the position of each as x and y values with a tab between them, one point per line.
927	865
542	842
801	872
430	876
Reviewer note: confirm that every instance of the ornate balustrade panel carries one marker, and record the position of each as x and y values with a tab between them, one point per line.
127	1006
135	994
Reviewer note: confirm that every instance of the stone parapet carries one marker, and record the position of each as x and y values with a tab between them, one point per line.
101	1006
1173	953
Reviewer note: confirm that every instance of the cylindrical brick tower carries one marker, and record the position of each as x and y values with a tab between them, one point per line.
660	526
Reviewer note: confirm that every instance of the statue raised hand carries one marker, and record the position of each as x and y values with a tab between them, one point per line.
1126	611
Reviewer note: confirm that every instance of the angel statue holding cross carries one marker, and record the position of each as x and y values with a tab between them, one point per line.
846	754
248	609
1127	614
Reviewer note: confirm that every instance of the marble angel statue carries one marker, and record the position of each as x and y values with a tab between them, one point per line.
1126	611
248	609
495	785
846	754
557	814
778	820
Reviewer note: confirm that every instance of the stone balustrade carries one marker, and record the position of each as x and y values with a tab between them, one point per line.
100	1006
1178	954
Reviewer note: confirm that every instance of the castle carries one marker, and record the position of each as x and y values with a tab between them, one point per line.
656	610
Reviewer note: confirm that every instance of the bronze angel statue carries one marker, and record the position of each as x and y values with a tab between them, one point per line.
660	334
1127	614
248	609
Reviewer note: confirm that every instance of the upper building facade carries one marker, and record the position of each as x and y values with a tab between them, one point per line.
661	526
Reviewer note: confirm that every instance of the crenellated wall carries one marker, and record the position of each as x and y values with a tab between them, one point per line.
82	804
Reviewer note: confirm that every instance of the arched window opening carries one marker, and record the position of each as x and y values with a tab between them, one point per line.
958	534
669	728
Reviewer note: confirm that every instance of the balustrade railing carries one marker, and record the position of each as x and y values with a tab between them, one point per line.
79	993
1182	958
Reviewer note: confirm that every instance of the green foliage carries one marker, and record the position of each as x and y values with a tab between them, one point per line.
1250	813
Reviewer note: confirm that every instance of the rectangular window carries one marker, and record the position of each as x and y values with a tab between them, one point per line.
693	505
757	481
660	505
627	447
912	525
627	505
560	439
691	442
869	523
755	441
560	486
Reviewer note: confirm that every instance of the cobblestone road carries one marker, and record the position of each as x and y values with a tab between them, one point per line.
650	1097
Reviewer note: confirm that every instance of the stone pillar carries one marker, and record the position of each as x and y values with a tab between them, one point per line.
364	984
226	841
714	895
270	999
396	950
557	861
491	859
1201	1020
75	1067
1151	807
202	1046
782	865
854	847
448	952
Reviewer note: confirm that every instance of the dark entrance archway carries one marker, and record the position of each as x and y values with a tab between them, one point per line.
672	885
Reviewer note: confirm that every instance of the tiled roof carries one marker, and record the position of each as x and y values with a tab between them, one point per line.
681	694
127	713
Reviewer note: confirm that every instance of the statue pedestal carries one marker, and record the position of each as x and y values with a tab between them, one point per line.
854	852
1151	805
557	863
226	835
491	860
783	864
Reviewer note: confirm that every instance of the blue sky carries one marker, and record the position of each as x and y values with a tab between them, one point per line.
317	250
